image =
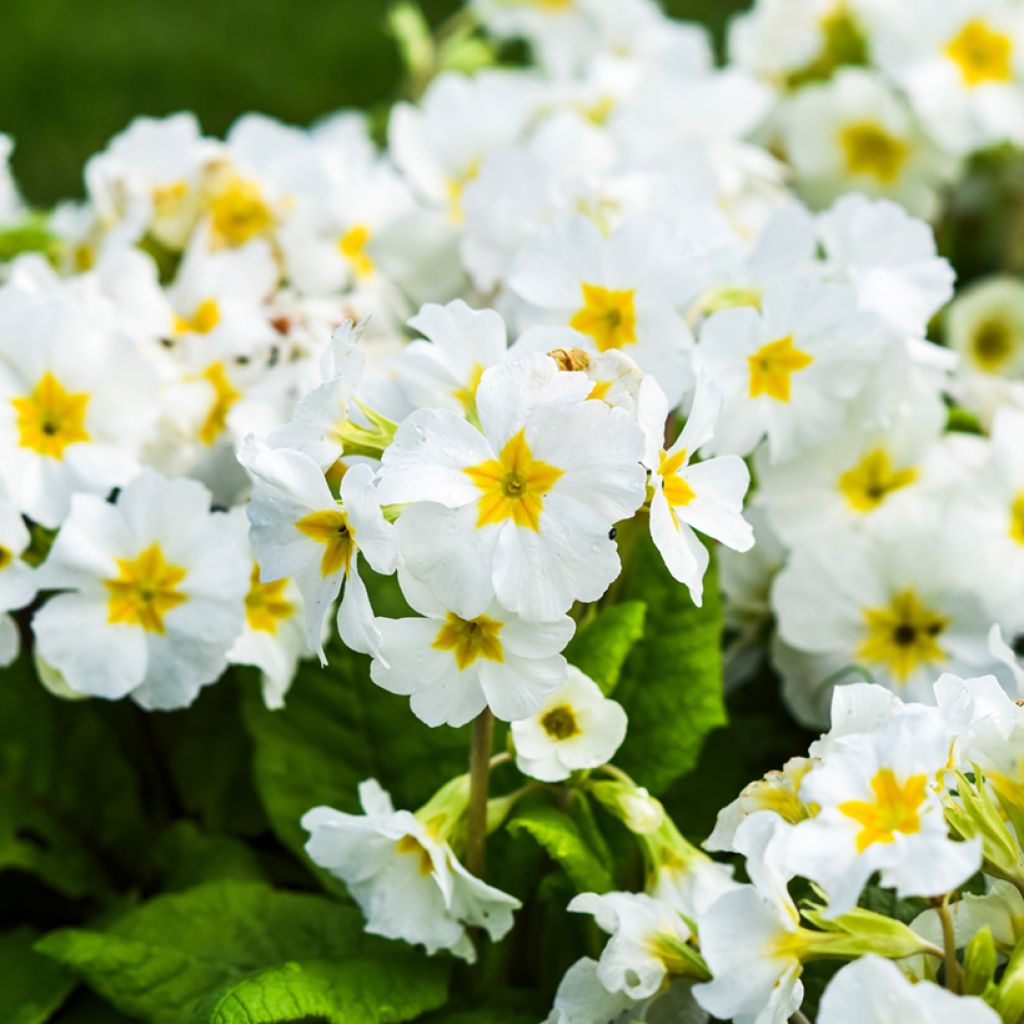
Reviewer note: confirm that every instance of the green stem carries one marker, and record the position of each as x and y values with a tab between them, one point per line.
953	973
479	776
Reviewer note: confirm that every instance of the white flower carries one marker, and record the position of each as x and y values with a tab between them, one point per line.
750	936
76	403
874	991
408	883
645	937
879	809
154	586
519	510
854	132
300	531
789	370
577	728
688	496
614	292
582	999
17	578
889	257
1000	909
453	667
986	326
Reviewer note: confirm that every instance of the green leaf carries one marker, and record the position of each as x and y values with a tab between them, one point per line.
70	809
187	857
600	649
335	730
31	986
671	685
563	839
359	990
157	961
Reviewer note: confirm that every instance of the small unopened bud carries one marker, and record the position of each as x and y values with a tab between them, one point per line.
570	358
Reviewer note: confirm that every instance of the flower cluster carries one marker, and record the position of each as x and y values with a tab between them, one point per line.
561	314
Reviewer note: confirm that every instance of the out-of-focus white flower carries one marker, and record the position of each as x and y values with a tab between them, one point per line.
577	728
17	578
153	593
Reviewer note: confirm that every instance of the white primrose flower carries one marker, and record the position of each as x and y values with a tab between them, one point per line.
76	402
17	578
855	132
874	991
577	728
889	257
582	999
750	937
443	371
879	809
986	326
519	510
878	598
153	593
615	292
1000	909
302	532
452	667
407	881
789	369
687	496
648	940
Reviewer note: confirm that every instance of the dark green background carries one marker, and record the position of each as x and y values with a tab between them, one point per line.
74	72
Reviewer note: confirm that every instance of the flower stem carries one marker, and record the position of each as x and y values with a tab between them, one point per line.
953	973
479	775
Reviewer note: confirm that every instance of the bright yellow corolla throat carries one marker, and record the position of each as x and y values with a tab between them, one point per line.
51	418
896	808
513	485
772	366
867	484
982	54
265	604
870	150
607	315
470	639
144	590
330	527
903	636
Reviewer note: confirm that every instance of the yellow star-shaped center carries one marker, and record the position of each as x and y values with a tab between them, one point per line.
470	639
772	366
144	590
981	53
607	315
330	527
895	809
903	636
867	484
265	604
352	245
869	150
513	485
50	418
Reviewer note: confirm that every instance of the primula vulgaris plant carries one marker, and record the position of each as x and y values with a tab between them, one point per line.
422	452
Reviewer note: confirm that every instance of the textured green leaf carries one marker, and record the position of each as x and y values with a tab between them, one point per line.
157	961
600	649
671	685
359	990
335	730
31	986
564	841
70	810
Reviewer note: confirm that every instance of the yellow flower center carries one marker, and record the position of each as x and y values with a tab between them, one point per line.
896	808
352	245
456	185
903	636
225	394
513	485
330	527
772	366
239	213
607	315
872	151
554	5
466	395
560	723
866	485
144	590
6	557
50	418
411	845
982	54
167	199
265	604
204	318
677	490
992	344
1017	518
470	639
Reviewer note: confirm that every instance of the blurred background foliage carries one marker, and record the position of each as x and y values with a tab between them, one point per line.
74	72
